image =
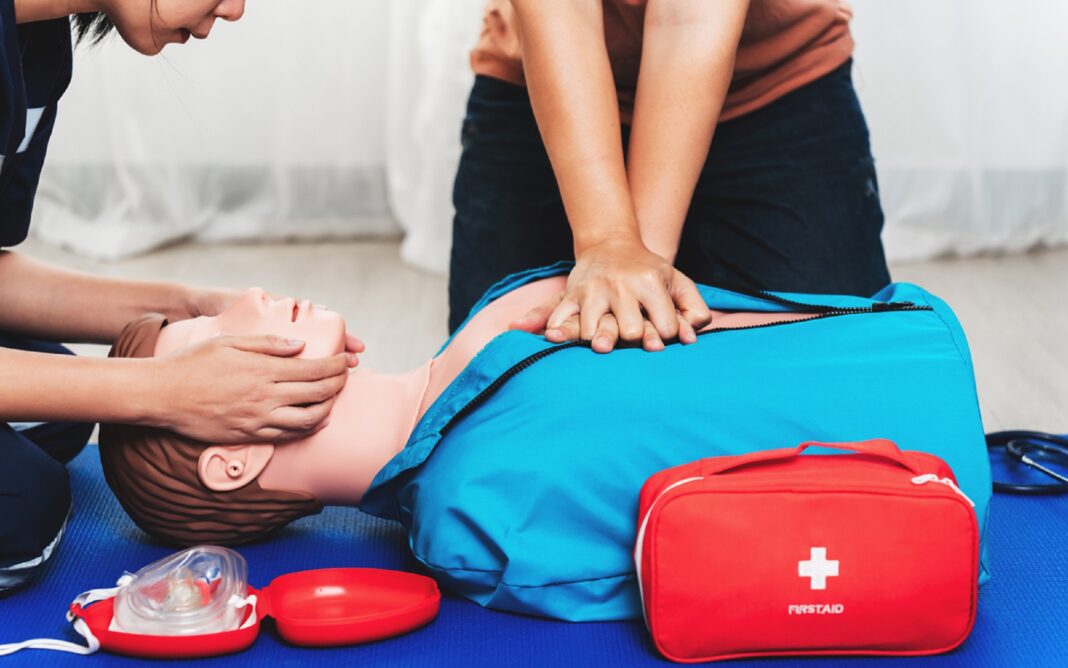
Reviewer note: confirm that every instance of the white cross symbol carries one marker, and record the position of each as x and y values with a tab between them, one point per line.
817	567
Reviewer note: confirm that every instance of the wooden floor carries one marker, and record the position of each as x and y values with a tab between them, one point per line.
1014	309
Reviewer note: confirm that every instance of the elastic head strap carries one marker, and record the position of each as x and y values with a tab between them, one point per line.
57	645
74	615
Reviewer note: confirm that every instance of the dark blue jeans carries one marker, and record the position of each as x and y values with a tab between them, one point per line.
34	486
787	200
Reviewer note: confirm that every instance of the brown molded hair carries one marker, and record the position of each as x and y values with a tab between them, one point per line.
153	472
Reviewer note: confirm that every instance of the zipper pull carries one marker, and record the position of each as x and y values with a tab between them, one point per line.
931	477
891	306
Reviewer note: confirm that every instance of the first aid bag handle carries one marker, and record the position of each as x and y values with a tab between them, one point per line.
878	447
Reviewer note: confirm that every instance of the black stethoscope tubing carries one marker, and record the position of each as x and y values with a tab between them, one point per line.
1017	444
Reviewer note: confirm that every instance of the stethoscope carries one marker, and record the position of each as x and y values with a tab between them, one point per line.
1027	447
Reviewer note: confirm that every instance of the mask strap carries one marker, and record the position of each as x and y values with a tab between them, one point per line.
239	603
92	644
57	645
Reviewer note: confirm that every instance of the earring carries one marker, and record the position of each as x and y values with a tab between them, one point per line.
234	469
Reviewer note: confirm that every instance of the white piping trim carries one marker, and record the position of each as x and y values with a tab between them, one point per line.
638	544
38	560
33	117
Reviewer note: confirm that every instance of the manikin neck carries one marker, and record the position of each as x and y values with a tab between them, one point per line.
370	422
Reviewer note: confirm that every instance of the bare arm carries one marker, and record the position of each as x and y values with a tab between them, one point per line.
226	390
229	389
616	278
573	95
687	63
39	386
39	300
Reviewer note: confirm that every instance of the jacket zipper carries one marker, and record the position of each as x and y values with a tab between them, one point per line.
502	379
805	307
822	311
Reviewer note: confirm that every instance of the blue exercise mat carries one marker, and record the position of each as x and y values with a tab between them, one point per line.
1023	610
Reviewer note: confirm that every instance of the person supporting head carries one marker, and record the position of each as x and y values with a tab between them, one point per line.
48	399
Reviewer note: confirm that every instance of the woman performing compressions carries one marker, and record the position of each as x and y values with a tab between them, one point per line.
229	389
589	135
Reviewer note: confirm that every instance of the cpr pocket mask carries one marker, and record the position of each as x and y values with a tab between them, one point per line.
198	603
775	553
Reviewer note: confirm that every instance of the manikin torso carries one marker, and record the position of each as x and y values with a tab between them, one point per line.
374	413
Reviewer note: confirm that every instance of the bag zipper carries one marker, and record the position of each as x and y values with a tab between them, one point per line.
822	311
948	482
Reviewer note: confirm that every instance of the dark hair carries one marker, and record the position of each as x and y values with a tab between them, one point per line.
91	26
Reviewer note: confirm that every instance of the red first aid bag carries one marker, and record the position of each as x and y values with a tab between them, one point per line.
779	553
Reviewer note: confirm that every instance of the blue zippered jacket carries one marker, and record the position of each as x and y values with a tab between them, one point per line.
519	486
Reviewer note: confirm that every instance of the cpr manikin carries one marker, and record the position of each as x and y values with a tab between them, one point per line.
189	492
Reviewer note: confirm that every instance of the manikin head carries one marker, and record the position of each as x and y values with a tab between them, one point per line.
184	491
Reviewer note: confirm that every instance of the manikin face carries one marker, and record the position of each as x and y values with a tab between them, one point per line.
322	330
150	25
225	468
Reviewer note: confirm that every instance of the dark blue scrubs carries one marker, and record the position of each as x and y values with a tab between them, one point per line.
35	68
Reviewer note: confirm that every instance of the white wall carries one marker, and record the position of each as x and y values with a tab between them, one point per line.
968	112
273	127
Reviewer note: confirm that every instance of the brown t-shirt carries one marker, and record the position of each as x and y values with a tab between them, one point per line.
785	44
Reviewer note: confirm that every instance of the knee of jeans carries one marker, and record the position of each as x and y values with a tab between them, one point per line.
33	509
62	440
74	439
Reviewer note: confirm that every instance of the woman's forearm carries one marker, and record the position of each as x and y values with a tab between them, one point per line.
572	92
44	387
39	300
687	62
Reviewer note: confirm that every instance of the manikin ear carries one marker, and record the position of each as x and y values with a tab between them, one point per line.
224	468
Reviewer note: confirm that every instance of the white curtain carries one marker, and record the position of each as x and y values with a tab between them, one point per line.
339	117
429	79
272	128
968	110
